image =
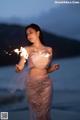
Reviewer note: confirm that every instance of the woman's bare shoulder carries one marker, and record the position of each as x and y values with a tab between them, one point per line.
50	49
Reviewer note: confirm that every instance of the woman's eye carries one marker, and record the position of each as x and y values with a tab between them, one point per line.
29	33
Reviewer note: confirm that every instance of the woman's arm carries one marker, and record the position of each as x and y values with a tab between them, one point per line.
53	68
20	65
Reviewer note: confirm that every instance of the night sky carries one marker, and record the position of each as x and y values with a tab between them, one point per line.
61	19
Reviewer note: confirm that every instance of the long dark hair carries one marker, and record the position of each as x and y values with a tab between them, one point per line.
37	28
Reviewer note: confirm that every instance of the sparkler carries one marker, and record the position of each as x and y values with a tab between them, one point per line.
22	52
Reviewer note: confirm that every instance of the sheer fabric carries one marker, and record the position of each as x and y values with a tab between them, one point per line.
39	87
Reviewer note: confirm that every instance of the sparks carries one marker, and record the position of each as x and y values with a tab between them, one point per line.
17	51
22	51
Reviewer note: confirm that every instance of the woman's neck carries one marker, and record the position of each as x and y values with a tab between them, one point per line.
38	45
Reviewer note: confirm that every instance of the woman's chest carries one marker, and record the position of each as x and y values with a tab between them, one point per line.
39	58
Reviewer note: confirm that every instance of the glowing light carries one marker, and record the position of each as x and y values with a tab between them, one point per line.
22	51
16	51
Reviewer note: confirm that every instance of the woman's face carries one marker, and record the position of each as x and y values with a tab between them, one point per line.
32	35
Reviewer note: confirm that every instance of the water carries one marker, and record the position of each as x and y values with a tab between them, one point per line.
66	90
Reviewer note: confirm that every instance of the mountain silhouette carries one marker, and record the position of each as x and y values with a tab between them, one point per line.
13	36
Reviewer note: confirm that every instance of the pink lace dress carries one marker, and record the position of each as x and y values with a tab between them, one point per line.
39	87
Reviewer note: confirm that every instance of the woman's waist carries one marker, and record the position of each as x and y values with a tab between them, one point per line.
38	70
35	72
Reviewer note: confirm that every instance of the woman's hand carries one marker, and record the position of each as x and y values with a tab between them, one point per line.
18	68
53	68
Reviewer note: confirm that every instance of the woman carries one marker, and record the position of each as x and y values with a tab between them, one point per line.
38	84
